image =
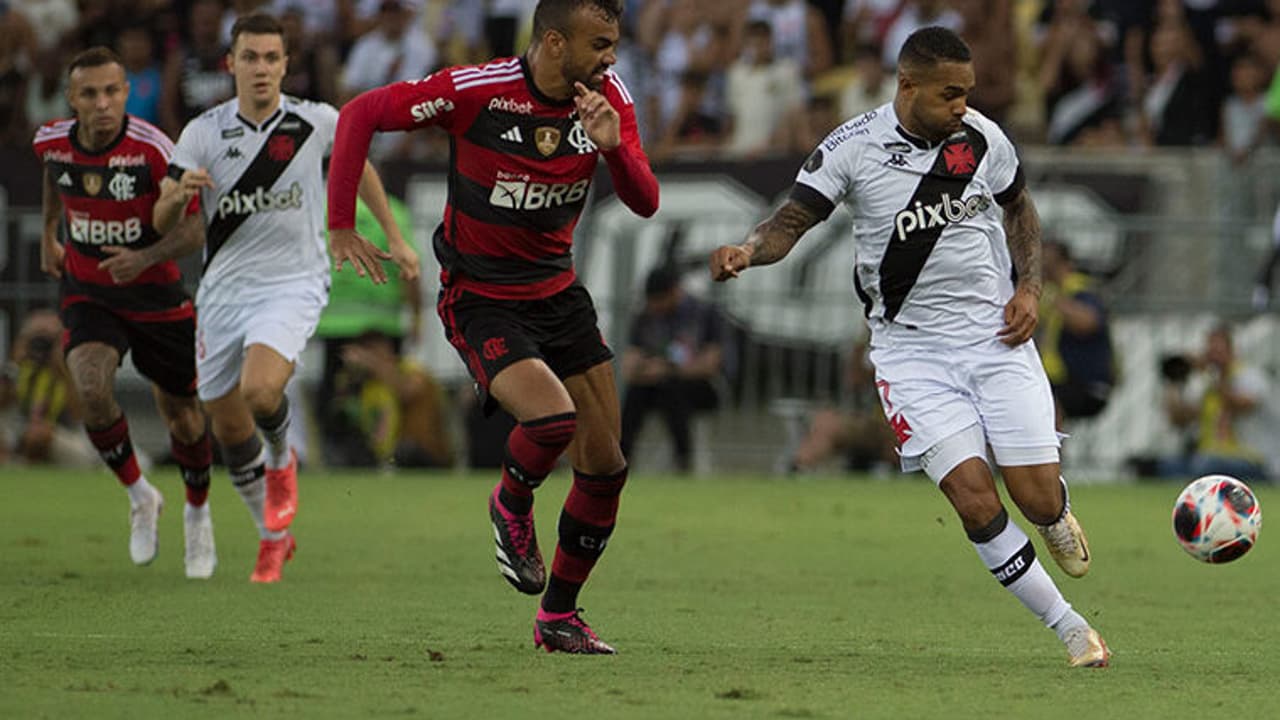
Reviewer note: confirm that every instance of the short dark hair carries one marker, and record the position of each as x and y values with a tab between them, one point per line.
929	46
257	24
661	280
555	14
94	57
759	27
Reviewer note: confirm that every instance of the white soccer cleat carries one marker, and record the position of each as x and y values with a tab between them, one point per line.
202	555
1086	648
1067	544
144	531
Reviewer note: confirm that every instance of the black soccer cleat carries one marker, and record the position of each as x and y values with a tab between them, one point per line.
517	548
567	632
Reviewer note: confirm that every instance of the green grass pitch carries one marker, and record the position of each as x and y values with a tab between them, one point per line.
727	598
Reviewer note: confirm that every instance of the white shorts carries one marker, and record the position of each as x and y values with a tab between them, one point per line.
283	322
932	395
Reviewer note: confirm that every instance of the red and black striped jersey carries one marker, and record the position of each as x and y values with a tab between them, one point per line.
519	174
107	198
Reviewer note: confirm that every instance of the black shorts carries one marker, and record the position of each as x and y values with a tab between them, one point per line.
164	352
491	334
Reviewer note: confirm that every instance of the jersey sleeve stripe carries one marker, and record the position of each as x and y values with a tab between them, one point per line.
1007	195
146	129
622	88
464	84
164	148
490	69
815	201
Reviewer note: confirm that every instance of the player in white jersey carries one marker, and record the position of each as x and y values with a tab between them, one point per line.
942	221
257	164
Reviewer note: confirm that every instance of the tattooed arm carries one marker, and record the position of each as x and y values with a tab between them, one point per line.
769	242
1022	228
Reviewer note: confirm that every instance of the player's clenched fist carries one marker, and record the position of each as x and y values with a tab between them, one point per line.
193	181
729	260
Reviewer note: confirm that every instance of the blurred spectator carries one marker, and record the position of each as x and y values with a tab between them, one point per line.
856	431
1083	103
1224	399
693	128
1074	338
39	422
808	126
391	409
50	20
871	86
356	18
17	43
988	29
672	364
800	33
914	15
502	22
1261	34
137	51
319	17
313	63
864	23
1175	109
195	73
687	52
46	89
762	91
1263	289
238	9
1244	113
357	306
392	51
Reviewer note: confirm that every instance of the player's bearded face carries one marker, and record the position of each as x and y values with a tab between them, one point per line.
590	48
98	96
939	98
258	63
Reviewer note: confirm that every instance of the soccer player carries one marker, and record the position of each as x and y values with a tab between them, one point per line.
102	173
950	329
256	164
526	134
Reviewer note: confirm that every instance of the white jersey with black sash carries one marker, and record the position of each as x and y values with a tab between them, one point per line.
265	214
932	264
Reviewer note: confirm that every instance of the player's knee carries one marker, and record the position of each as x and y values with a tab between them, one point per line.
100	407
262	397
553	432
186	422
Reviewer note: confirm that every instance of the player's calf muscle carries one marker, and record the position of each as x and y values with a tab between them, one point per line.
93	370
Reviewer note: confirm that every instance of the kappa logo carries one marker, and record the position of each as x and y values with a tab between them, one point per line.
233	153
513	135
122	186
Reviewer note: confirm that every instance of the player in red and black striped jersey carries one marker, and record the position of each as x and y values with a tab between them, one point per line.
102	172
527	134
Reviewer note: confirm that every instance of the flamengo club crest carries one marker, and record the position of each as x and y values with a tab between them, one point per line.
547	140
121	186
92	183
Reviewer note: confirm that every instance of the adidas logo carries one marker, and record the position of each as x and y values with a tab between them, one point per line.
513	135
65	180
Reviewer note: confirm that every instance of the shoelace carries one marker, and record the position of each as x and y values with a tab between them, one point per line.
1060	536
520	528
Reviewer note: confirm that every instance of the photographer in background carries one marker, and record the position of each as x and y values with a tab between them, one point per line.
1074	338
39	422
390	410
1225	402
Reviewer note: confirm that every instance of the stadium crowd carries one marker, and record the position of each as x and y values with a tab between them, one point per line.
735	78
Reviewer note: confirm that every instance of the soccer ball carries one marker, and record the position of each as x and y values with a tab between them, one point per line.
1216	519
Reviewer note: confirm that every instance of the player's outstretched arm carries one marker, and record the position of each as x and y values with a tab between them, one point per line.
768	243
125	265
51	251
1022	229
374	196
176	196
